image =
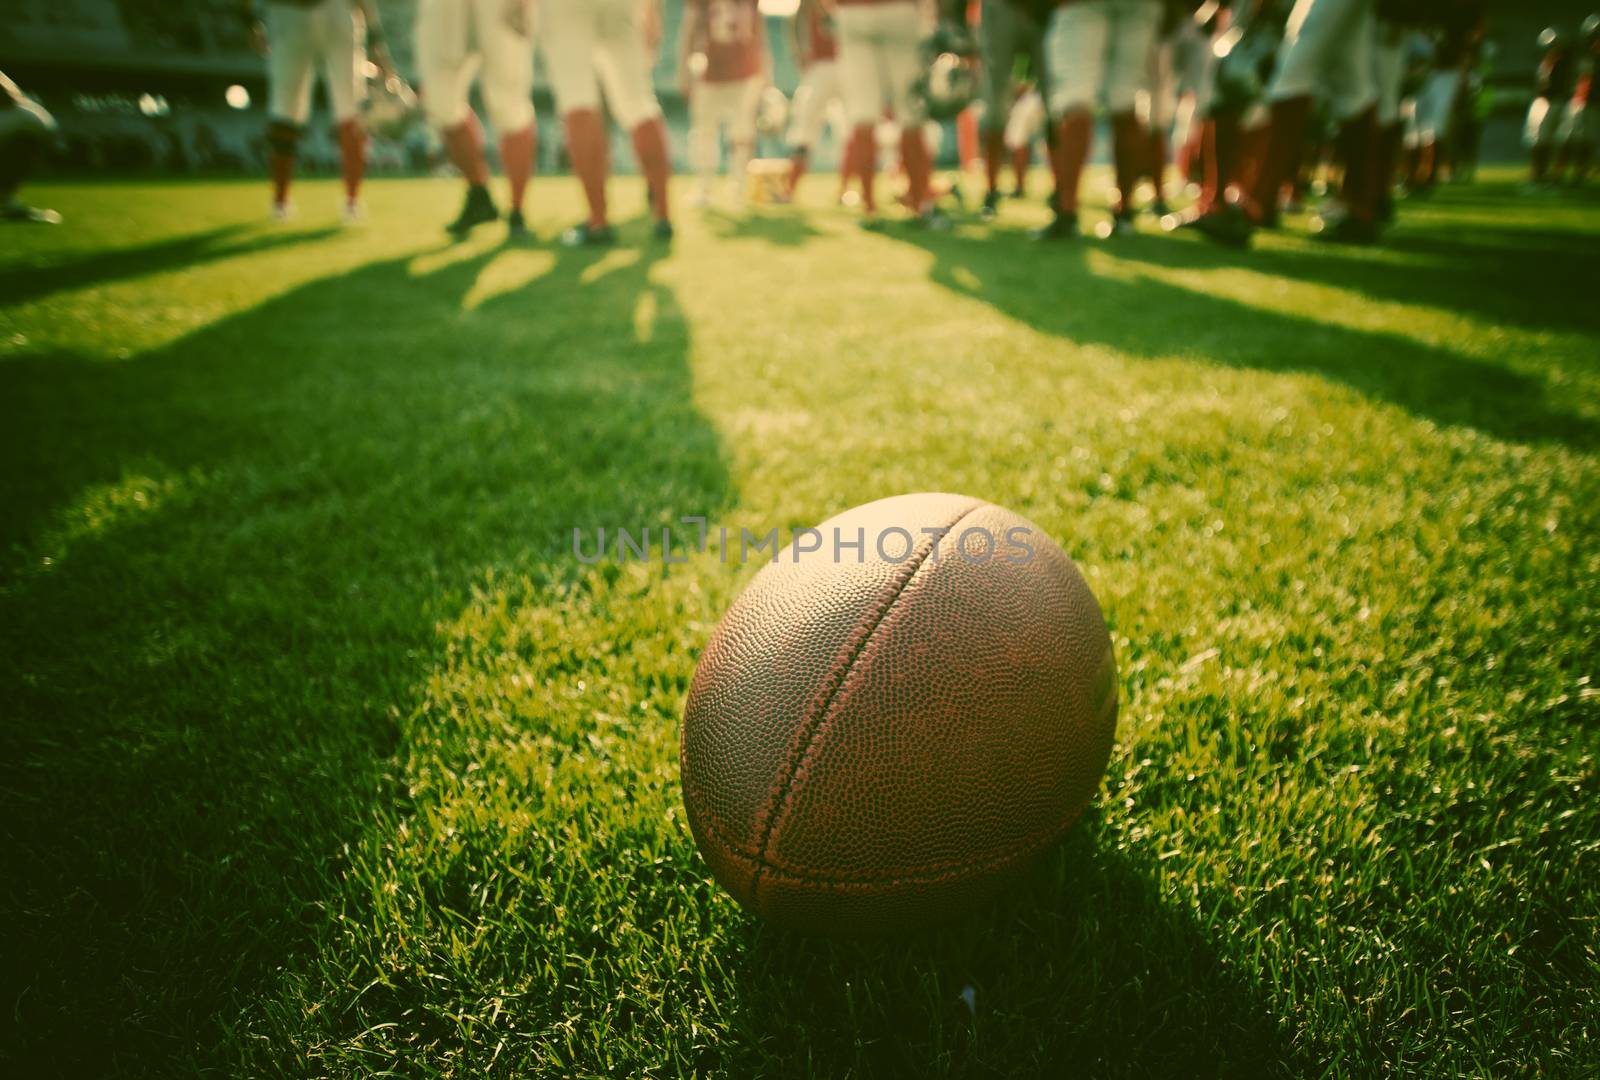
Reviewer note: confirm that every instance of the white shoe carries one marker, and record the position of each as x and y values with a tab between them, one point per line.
355	212
282	211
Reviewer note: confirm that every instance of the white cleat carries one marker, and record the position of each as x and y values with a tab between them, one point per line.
354	212
282	211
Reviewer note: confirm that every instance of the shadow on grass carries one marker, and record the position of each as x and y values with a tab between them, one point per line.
1148	317
1085	969
19	284
779	228
225	579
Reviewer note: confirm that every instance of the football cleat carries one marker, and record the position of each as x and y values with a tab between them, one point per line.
662	231
1064	226
478	209
991	205
1229	226
516	226
30	215
353	213
586	235
282	211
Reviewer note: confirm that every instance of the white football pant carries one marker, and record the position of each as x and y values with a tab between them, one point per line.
1100	47
714	106
816	102
590	44
879	59
330	35
1328	50
462	40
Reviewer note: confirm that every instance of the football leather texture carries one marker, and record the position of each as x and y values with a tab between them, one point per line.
874	743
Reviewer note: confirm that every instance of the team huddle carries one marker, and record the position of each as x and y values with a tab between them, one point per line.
1239	96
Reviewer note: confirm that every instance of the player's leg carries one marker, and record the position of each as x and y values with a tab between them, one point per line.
805	125
862	89
290	68
340	32
1022	127
706	107
26	131
1388	69
1130	41
570	43
1354	100
1075	54
447	68
998	38
899	66
1163	114
624	67
745	104
1316	31
506	81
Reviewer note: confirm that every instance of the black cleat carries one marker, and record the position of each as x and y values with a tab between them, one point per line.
516	227
991	205
1064	226
1229	226
586	235
479	209
662	231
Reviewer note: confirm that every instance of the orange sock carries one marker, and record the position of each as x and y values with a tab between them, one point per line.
463	144
650	148
586	145
517	153
352	156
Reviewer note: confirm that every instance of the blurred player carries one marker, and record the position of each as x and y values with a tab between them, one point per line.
1008	30
879	60
817	99
1328	49
722	69
1582	126
26	131
301	37
593	43
1555	83
1095	48
487	40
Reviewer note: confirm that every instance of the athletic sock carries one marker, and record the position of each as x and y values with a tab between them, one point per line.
1074	132
650	148
1285	135
352	157
586	146
994	148
1128	145
518	150
918	166
463	144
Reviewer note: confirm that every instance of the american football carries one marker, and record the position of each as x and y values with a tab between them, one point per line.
876	745
799	538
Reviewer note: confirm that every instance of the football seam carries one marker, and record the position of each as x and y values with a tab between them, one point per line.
933	875
836	685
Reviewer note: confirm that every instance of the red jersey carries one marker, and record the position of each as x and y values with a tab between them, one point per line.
731	34
817	40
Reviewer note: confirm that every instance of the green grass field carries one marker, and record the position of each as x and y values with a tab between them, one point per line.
322	755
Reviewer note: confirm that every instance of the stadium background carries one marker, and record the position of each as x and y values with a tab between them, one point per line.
142	86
